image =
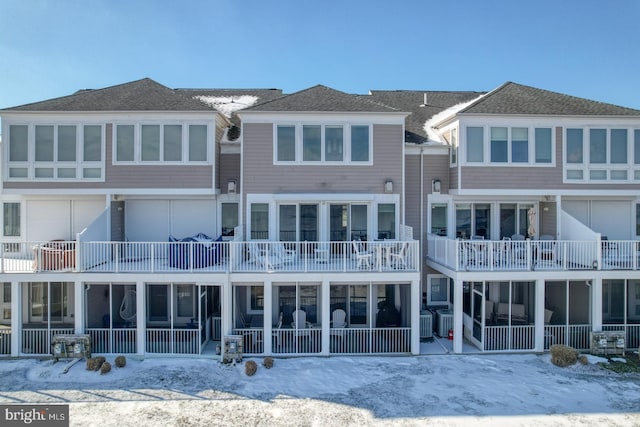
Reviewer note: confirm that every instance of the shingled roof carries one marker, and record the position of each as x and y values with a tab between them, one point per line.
414	101
322	98
513	98
139	95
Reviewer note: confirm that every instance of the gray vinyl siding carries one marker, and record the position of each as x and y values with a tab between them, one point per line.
539	178
434	167
261	176
229	168
453	177
548	218
133	176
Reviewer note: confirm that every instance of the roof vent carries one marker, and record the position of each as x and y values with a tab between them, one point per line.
424	104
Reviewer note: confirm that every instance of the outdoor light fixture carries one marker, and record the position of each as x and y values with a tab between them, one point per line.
435	186
231	186
594	264
388	186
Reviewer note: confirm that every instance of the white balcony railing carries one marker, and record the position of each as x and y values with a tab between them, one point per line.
497	255
207	257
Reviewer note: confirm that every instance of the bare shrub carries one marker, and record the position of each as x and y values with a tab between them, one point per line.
562	355
583	360
121	361
92	364
106	367
268	362
250	368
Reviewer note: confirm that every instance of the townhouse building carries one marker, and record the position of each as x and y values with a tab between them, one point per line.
159	220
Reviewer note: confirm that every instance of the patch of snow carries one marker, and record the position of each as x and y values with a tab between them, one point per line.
523	389
619	359
432	134
228	105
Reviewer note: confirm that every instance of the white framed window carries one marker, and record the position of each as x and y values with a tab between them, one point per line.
54	152
161	143
11	219
453	159
229	218
509	146
438	290
320	143
602	154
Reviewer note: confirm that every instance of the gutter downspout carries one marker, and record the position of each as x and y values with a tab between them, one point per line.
422	233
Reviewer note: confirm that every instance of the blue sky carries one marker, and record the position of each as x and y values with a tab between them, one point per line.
584	48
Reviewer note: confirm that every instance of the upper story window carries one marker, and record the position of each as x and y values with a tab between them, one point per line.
513	146
602	154
322	143
160	143
55	152
453	160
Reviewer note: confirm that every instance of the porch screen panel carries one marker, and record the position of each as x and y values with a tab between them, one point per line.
287	222
439	219
482	220
507	220
185	300
157	302
309	223
11	219
633	301
613	302
358	222
463	221
386	221
338	221
259	221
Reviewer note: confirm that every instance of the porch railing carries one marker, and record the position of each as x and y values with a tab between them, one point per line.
207	257
515	337
38	341
576	336
5	341
497	255
252	340
296	341
105	340
170	341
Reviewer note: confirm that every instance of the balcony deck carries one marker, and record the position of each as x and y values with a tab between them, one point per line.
212	257
549	255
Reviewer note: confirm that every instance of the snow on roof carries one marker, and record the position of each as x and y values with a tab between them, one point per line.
228	105
432	134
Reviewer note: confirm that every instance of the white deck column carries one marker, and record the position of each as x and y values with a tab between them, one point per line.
226	322
457	317
539	316
268	317
326	317
415	317
16	315
596	304
141	331
78	307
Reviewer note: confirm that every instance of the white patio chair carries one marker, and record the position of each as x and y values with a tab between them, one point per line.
338	321
546	249
362	257
276	332
300	323
399	258
284	255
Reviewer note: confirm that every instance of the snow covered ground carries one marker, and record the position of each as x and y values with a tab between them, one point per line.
427	390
